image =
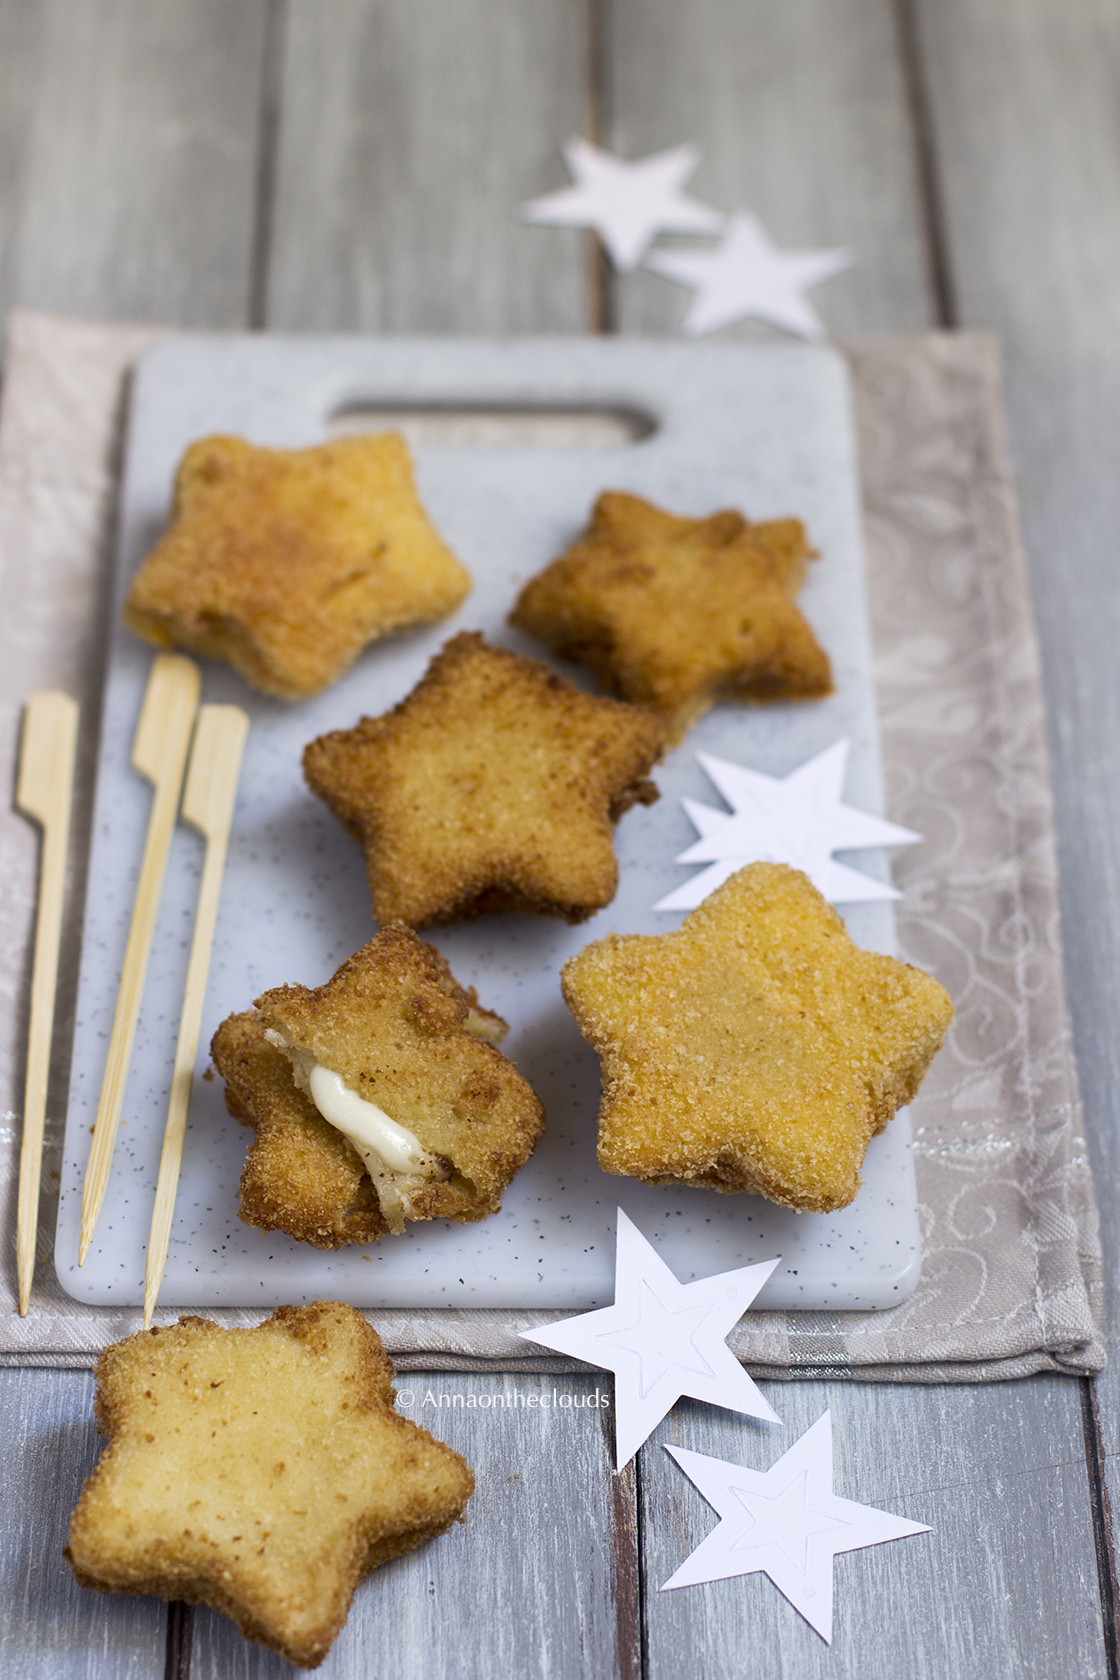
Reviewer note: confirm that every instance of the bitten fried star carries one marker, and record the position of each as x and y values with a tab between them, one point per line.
746	274
626	203
662	1339
785	1522
799	819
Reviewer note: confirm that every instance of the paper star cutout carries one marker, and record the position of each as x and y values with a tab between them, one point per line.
785	1522
626	203
747	274
662	1339
799	819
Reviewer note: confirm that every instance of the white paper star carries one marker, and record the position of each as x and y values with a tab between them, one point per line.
797	819
662	1339
746	274
626	203
786	1522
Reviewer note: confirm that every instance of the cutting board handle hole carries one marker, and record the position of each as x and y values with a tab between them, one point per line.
489	426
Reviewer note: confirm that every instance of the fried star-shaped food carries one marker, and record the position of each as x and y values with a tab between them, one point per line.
493	786
756	1048
674	614
378	1098
263	1472
286	562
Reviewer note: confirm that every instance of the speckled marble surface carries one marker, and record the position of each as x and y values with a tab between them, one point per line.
763	428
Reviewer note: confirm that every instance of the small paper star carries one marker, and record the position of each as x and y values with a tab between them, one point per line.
747	274
785	1522
799	819
626	203
662	1339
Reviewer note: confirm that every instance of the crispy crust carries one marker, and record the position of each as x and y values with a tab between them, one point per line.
263	1472
286	563
493	786
756	1048
673	614
403	1033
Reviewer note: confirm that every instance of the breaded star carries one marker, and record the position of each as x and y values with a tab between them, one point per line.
399	1032
674	614
263	1472
286	562
756	1048
493	786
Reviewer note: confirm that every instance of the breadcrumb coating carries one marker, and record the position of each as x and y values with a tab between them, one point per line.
287	562
673	613
403	1034
495	785
755	1048
262	1472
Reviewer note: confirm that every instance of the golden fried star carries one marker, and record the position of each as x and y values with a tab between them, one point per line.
493	786
756	1048
674	614
453	1119
263	1472
287	562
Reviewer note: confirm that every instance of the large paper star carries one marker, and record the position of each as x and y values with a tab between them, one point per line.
785	1522
626	203
746	274
662	1339
799	819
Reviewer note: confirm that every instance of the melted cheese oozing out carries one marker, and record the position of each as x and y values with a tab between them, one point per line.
368	1127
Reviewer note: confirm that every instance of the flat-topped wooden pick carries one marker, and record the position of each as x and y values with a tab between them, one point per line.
44	791
208	801
159	752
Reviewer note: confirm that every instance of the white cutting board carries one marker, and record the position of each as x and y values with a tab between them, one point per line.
766	429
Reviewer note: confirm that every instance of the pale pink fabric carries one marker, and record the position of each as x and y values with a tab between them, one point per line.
1011	1279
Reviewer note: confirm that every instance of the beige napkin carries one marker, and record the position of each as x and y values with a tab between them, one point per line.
1011	1278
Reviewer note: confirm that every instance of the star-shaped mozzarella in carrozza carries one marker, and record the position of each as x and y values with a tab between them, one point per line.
785	1522
746	274
674	613
755	1048
495	785
626	203
799	819
662	1339
263	1472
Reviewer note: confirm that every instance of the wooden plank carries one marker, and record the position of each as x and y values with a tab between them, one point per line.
128	157
540	1580
801	113
1005	1584
49	1626
409	136
805	115
1025	105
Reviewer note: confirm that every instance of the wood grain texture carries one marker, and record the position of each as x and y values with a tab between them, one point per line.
1025	102
50	1628
1004	1585
800	110
526	1587
409	136
128	155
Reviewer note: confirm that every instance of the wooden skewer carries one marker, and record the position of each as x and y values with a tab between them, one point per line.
44	791
159	752
208	801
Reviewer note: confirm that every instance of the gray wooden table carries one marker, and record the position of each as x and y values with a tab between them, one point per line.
356	164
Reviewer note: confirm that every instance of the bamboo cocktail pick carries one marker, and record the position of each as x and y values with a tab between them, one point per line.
44	789
208	801
159	752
